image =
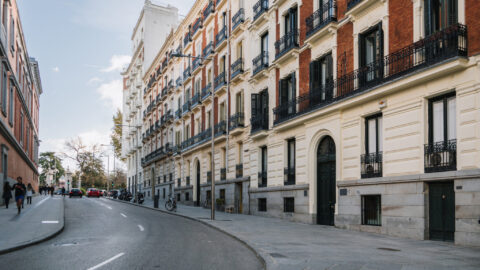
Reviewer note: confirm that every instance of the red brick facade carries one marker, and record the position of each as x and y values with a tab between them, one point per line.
400	24
472	18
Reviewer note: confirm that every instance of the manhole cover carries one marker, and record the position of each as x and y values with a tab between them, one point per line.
388	249
277	255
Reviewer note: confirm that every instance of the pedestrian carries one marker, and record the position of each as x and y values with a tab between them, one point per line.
29	193
20	189
63	191
52	189
7	193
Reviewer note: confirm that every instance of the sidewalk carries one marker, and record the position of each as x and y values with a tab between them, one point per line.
41	220
288	245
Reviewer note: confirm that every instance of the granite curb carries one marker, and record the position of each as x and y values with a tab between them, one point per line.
42	238
257	253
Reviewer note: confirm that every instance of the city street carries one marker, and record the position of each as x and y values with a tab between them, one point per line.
103	234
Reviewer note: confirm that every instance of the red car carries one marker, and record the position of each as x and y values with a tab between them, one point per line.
93	192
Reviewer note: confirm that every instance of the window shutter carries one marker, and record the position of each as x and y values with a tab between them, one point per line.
379	42
254	105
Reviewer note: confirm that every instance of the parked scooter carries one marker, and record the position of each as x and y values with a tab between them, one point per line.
141	198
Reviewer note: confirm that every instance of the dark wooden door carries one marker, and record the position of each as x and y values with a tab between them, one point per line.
441	211
326	182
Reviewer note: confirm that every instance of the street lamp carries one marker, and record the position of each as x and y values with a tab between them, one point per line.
212	193
136	156
108	164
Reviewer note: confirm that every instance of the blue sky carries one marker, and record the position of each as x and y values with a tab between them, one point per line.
81	46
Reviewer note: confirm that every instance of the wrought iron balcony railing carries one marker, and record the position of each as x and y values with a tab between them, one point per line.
371	165
238	18
195	99
352	3
197	62
187	39
262	179
186	73
179	80
286	43
260	62
289	176
186	107
223	174
259	8
441	156
208	10
237	67
237	121
259	123
197	25
221	128
221	36
206	91
208	49
442	45
220	80
178	113
325	14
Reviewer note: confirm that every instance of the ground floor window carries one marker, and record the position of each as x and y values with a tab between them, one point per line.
371	210
179	197
222	194
164	193
289	205
187	196
262	205
208	195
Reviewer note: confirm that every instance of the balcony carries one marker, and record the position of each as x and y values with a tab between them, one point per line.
220	81
208	50
443	45
259	123
221	128
186	107
197	62
259	8
206	91
238	19
352	3
262	179
196	26
179	81
170	85
208	10
187	39
179	49
164	92
196	140
260	62
165	63
188	180
209	177
236	122
237	68
169	116
220	38
289	176
178	113
371	165
286	43
441	156
239	170
186	73
320	18
223	174
195	100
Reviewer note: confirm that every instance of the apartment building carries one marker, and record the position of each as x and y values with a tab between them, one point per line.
362	114
150	32
20	90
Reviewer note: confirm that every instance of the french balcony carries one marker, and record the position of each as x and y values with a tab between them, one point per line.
259	123
186	107
223	174
326	14
352	3
208	10
164	92
440	46
197	62
237	123
206	91
441	156
262	179
178	113
239	170
197	26
221	128
238	19
286	43
289	176
187	39
236	69
179	81
195	100
260	63
220	81
220	38
259	9
179	49
169	116
165	63
171	85
209	177
208	50
188	180
186	73
371	165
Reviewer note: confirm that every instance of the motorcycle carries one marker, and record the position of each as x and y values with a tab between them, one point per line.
140	198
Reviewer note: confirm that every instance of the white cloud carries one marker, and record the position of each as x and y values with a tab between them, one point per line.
56	69
117	63
111	93
94	80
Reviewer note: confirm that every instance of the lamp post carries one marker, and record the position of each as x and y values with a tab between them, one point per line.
212	193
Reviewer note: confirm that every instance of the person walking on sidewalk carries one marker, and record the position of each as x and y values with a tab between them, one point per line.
63	191
20	189
7	193
29	193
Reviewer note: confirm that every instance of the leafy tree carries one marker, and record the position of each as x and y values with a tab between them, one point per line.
116	136
50	161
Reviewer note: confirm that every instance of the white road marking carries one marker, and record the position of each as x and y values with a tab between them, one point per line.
123	215
40	202
141	227
50	221
107	261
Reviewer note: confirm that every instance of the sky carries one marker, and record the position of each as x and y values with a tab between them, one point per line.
81	46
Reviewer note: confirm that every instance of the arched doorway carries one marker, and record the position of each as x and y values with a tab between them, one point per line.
197	188
326	182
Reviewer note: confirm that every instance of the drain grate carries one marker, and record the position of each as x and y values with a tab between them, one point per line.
388	249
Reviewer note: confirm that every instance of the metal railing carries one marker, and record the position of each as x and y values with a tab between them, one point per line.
208	49
239	170
238	18
221	36
195	99
448	43
259	123
441	156
220	80
259	8
208	10
206	91
352	3
371	165
179	80
289	176
221	128
320	18
237	121
186	107
178	113
186	73
237	67
286	43
197	62
197	25
187	39
260	62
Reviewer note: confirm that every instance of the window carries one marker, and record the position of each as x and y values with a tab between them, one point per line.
290	170
163	193
264	45
439	14
4	90
291	21
222	194
321	78
442	120
239	49
259	106
21	127
239	102
222	111
10	110
289	205
5	14
371	52
5	162
187	196
12	34
373	134
208	195
371	210
264	159
287	93
262	205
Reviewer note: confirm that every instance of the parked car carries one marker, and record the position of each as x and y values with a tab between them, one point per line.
58	192
93	192
75	192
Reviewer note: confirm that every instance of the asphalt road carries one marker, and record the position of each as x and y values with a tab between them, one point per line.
102	234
